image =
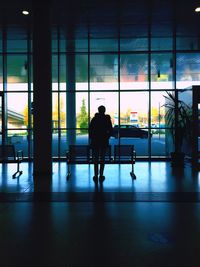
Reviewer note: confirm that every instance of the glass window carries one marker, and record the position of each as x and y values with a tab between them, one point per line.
82	112
159	139
16	39
168	120
107	99
133	38
81	33
63	44
1	39
185	98
17	110
161	43
31	109
103	38
161	71
133	72
71	71
63	110
134	44
158	110
76	45
81	45
55	68
82	137
102	45
58	70
103	72
55	143
187	70
59	110
161	25
58	123
187	36
17	72
159	143
55	111
60	141
81	72
62	41
1	73
134	108
78	137
19	139
54	39
62	68
63	143
134	121
188	43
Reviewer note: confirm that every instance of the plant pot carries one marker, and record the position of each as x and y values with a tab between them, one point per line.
177	159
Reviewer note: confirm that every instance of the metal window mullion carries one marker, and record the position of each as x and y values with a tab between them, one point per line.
4	99
149	75
119	79
174	76
59	117
88	74
29	67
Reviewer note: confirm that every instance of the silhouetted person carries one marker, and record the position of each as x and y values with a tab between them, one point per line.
100	130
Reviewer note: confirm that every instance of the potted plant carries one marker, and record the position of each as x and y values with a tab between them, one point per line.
178	118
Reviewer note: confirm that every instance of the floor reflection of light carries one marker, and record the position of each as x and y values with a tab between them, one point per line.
199	179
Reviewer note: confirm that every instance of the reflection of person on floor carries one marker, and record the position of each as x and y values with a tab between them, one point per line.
100	130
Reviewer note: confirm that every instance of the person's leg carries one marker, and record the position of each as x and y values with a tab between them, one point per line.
95	155
102	165
96	169
102	161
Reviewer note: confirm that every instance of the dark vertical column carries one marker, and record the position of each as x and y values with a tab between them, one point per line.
71	84
42	99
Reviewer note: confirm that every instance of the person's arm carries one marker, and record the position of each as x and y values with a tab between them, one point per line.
110	127
91	129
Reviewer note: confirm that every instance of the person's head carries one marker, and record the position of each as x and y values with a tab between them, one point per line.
101	109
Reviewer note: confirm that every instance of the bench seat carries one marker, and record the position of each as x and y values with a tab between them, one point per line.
82	154
9	155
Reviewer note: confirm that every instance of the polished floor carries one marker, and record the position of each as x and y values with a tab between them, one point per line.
153	221
154	177
156	181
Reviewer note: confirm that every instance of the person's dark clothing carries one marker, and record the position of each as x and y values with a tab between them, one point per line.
100	130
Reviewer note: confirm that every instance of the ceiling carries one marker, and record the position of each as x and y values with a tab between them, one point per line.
105	15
